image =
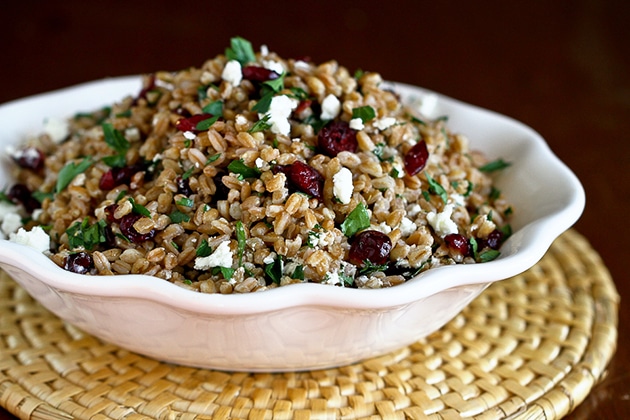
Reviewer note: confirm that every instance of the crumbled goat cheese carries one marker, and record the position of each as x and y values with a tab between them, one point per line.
274	66
221	257
259	163
457	199
132	134
342	185
413	210
232	73
384	123
36	238
57	129
330	107
279	112
398	167
356	124
190	135
427	104
6	210
264	50
407	226
383	228
11	222
441	222
27	153
333	279
269	259
241	119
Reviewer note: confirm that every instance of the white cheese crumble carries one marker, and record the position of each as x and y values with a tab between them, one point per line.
427	104
279	112
356	124
189	135
221	257
269	259
441	222
57	129
274	66
10	223
241	119
232	73
342	185
259	163
264	50
132	134
413	210
36	238
330	107
398	167
333	279
407	226
384	123
457	199
7	211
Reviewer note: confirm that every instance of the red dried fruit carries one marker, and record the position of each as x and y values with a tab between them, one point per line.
20	194
190	123
117	176
109	213
336	137
494	239
416	158
457	243
80	262
183	186
370	245
305	178
127	229
259	74
30	158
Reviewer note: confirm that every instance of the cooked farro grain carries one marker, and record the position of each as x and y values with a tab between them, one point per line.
221	179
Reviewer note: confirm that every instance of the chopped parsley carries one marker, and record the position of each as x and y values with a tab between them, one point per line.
203	250
274	270
495	165
139	209
242	241
238	167
240	50
205	125
70	171
85	235
436	188
298	273
357	220
366	113
179	217
214	108
369	268
261	125
186	202
213	158
117	141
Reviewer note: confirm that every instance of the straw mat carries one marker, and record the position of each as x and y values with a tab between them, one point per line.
530	347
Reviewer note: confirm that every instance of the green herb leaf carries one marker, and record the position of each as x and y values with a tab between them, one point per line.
186	202
188	173
242	241
369	268
115	161
358	74
227	272
179	217
298	273
240	50
489	255
205	125
215	108
495	165
261	125
366	113
138	208
436	188
274	270
213	158
239	167
262	106
115	139
71	170
298	93
39	196
276	84
203	250
83	235
357	220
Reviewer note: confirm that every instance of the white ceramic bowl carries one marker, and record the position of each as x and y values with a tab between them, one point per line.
305	326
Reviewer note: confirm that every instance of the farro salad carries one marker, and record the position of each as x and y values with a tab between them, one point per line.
252	172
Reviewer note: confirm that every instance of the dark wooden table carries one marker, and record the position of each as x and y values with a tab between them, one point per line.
562	67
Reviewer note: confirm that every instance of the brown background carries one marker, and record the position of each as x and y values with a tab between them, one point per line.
562	67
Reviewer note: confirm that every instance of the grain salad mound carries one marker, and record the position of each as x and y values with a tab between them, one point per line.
253	172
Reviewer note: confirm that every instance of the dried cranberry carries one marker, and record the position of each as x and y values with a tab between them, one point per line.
457	243
416	158
109	213
370	245
183	186
336	137
110	237
118	176
494	239
80	262
190	123
20	194
259	74
305	178
30	158
127	229
150	85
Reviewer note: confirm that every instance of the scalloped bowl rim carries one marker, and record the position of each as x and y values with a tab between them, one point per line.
524	248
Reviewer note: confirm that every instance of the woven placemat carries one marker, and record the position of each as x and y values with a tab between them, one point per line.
530	347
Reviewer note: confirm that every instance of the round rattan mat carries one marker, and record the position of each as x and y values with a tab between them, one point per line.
529	347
